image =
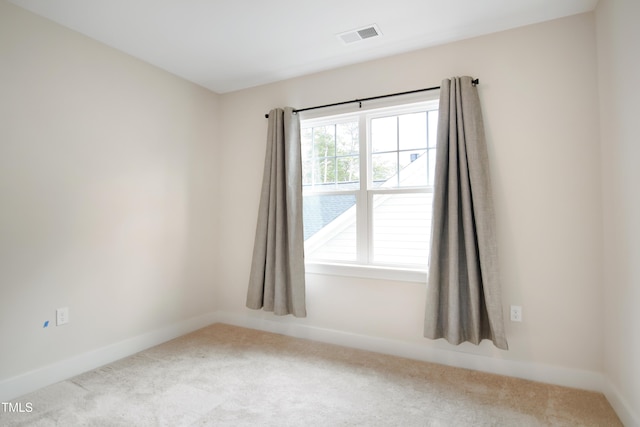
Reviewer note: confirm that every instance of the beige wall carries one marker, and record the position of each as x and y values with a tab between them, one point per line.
107	194
619	69
114	201
539	94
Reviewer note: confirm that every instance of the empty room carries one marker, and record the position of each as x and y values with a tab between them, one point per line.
327	213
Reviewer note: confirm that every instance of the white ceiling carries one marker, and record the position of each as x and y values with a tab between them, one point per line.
227	45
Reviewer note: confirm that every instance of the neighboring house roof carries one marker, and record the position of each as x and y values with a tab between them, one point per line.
322	209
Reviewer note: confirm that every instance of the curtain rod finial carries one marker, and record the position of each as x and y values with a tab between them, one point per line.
266	116
475	81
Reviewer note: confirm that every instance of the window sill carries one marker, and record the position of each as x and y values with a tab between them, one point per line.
367	271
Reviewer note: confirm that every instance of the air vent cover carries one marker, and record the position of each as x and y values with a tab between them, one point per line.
360	34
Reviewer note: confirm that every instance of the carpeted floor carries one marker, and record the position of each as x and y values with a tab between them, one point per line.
229	376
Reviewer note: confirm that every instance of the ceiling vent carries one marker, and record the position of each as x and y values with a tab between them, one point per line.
364	33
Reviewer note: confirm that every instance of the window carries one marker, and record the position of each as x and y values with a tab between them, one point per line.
368	186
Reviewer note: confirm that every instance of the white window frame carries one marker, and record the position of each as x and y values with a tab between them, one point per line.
361	267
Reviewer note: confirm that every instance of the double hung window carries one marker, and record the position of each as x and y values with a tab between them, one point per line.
368	186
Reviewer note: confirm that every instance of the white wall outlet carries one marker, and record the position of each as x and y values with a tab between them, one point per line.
516	313
62	316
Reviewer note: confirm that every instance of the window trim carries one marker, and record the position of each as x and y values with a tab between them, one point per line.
399	274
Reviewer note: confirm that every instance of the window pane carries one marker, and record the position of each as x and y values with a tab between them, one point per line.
413	168
307	155
324	141
402	228
330	227
384	134
322	168
306	143
385	169
413	131
307	172
348	138
433	128
324	171
349	171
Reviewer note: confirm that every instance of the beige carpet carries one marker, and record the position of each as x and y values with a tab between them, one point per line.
229	376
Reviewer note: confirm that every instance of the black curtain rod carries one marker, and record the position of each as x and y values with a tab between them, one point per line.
335	104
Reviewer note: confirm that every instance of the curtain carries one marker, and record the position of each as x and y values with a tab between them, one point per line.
463	290
277	280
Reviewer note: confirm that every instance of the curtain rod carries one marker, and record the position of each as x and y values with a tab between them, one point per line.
360	101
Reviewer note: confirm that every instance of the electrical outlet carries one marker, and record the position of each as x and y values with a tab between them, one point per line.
516	313
62	316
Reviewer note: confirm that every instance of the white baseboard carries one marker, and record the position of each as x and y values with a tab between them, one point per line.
625	411
12	388
20	385
586	380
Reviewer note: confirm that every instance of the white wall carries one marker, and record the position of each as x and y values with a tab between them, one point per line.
107	194
538	87
619	70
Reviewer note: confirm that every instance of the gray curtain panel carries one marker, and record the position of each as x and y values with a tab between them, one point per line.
463	292
277	280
